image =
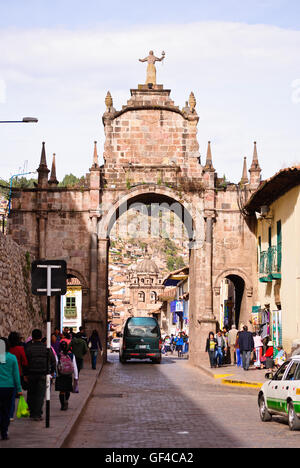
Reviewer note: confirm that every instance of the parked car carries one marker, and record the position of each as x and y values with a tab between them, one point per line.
281	394
115	345
141	339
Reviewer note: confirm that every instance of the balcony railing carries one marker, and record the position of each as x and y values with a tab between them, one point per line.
70	312
270	264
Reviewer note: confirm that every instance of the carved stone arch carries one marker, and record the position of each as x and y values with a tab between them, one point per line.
235	272
139	194
244	290
80	276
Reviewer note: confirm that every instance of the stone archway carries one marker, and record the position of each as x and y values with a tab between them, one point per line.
84	290
243	291
145	195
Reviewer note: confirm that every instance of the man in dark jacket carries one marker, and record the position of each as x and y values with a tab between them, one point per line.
246	345
36	372
79	349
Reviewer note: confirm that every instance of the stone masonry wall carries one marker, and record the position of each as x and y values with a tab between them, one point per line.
19	310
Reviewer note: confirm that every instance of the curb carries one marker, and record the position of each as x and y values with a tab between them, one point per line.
65	435
242	383
229	382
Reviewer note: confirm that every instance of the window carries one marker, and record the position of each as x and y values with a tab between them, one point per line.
279	374
279	241
143	327
292	371
297	373
153	296
141	296
270	237
70	302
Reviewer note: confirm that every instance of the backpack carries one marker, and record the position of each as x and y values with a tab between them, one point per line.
65	365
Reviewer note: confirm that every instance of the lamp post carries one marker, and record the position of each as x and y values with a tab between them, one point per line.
24	120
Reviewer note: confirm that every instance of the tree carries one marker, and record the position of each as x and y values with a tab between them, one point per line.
71	181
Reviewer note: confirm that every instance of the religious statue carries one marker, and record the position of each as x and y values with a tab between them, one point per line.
151	70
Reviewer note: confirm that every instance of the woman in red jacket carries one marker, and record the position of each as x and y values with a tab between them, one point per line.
17	350
267	358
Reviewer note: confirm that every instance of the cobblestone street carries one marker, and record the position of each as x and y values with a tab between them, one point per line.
172	405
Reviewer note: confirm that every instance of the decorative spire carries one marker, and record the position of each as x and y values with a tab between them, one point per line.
95	158
43	162
53	179
108	101
255	170
244	179
255	164
43	170
209	165
192	102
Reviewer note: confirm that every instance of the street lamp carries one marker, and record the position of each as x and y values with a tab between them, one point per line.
24	120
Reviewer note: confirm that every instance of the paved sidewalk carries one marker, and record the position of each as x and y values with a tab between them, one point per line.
233	375
24	433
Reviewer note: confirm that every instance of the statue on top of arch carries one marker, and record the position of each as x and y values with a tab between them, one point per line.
151	69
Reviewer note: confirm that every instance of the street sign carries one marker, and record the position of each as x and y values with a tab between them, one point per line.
39	276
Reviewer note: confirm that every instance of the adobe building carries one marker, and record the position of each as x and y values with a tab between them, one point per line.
151	157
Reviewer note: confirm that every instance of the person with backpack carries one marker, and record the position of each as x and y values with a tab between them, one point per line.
66	369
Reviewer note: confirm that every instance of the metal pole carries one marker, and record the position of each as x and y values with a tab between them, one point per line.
48	346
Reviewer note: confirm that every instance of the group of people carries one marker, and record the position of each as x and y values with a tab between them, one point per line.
242	347
176	343
24	366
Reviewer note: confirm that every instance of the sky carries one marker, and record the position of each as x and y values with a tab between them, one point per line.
58	60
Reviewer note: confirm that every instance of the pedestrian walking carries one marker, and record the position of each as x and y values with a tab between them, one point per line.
83	334
211	347
179	345
167	343
35	373
232	334
186	343
220	348
246	344
226	356
17	350
94	345
172	343
258	346
66	370
9	381
79	349
239	362
55	339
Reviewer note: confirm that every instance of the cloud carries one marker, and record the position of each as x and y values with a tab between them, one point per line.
241	75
